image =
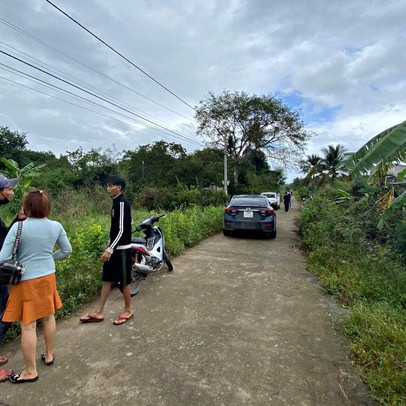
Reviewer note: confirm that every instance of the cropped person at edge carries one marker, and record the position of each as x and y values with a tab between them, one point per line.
6	193
36	296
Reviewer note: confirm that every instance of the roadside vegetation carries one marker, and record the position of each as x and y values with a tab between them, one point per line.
353	226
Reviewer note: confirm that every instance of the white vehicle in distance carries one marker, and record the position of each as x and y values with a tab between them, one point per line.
273	199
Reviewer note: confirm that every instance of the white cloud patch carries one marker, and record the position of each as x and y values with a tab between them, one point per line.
344	62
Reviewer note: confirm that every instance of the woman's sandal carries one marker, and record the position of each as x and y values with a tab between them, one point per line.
14	379
50	363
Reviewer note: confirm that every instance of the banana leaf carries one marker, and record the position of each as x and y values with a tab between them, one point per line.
400	201
379	153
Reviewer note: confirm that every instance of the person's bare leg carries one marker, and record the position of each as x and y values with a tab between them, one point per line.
127	314
106	287
49	329
104	294
127	300
29	346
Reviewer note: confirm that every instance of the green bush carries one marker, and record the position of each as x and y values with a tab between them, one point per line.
353	263
180	197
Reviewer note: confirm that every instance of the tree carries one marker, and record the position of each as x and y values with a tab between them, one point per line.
12	143
153	164
332	164
247	123
25	177
92	167
374	159
321	171
311	166
376	156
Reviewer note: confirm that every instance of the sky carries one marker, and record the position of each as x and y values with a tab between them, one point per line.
342	64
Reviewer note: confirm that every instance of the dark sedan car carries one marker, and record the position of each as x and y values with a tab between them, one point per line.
249	213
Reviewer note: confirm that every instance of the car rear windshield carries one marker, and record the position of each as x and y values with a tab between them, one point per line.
249	202
269	194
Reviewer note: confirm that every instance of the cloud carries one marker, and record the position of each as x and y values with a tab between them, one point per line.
341	63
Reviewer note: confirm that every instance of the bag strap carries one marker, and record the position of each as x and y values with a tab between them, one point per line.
17	240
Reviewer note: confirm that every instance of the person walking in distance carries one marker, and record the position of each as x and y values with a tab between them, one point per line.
286	201
35	297
117	255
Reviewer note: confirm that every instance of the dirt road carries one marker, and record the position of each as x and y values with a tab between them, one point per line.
239	322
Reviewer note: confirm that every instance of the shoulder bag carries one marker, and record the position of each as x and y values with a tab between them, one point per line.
11	271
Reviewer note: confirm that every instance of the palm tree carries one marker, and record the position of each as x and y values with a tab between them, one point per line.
332	164
312	168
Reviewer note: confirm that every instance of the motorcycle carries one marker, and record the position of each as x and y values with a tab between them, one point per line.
149	253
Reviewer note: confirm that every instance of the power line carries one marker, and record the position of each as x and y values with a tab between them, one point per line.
42	64
121	55
36	39
10	69
90	93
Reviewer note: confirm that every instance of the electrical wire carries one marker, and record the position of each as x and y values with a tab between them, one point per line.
36	39
91	93
42	64
71	94
121	55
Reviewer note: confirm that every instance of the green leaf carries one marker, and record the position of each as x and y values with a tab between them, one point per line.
399	202
378	154
344	193
402	174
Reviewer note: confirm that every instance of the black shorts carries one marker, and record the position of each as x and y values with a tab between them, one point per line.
118	269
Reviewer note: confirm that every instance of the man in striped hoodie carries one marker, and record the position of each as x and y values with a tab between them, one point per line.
117	255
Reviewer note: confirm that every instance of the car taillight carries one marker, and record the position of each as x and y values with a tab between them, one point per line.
230	210
267	212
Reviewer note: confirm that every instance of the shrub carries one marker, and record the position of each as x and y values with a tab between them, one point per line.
347	253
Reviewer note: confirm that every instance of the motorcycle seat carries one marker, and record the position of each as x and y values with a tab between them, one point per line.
138	240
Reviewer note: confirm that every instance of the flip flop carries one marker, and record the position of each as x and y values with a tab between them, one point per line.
14	379
123	319
50	363
5	374
91	319
3	360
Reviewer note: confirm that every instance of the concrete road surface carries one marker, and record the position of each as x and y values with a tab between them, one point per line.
239	322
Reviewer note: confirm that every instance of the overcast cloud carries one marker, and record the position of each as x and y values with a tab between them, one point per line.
343	63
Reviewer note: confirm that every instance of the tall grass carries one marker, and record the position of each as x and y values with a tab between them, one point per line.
369	280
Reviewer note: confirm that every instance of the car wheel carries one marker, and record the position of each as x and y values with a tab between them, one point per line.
272	235
226	232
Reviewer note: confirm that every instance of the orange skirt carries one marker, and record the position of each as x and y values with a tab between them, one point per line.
32	299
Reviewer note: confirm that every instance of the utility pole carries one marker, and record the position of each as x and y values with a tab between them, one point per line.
225	165
142	169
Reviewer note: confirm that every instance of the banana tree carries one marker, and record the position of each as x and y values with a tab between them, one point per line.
376	157
25	176
379	154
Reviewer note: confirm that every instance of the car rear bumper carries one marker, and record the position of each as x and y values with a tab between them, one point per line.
264	226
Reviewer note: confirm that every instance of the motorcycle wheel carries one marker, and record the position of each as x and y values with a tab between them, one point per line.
136	277
167	261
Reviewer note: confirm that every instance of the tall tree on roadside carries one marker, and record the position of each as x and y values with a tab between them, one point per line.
332	164
247	123
312	167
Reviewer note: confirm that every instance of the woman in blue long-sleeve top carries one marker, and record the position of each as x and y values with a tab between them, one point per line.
35	297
